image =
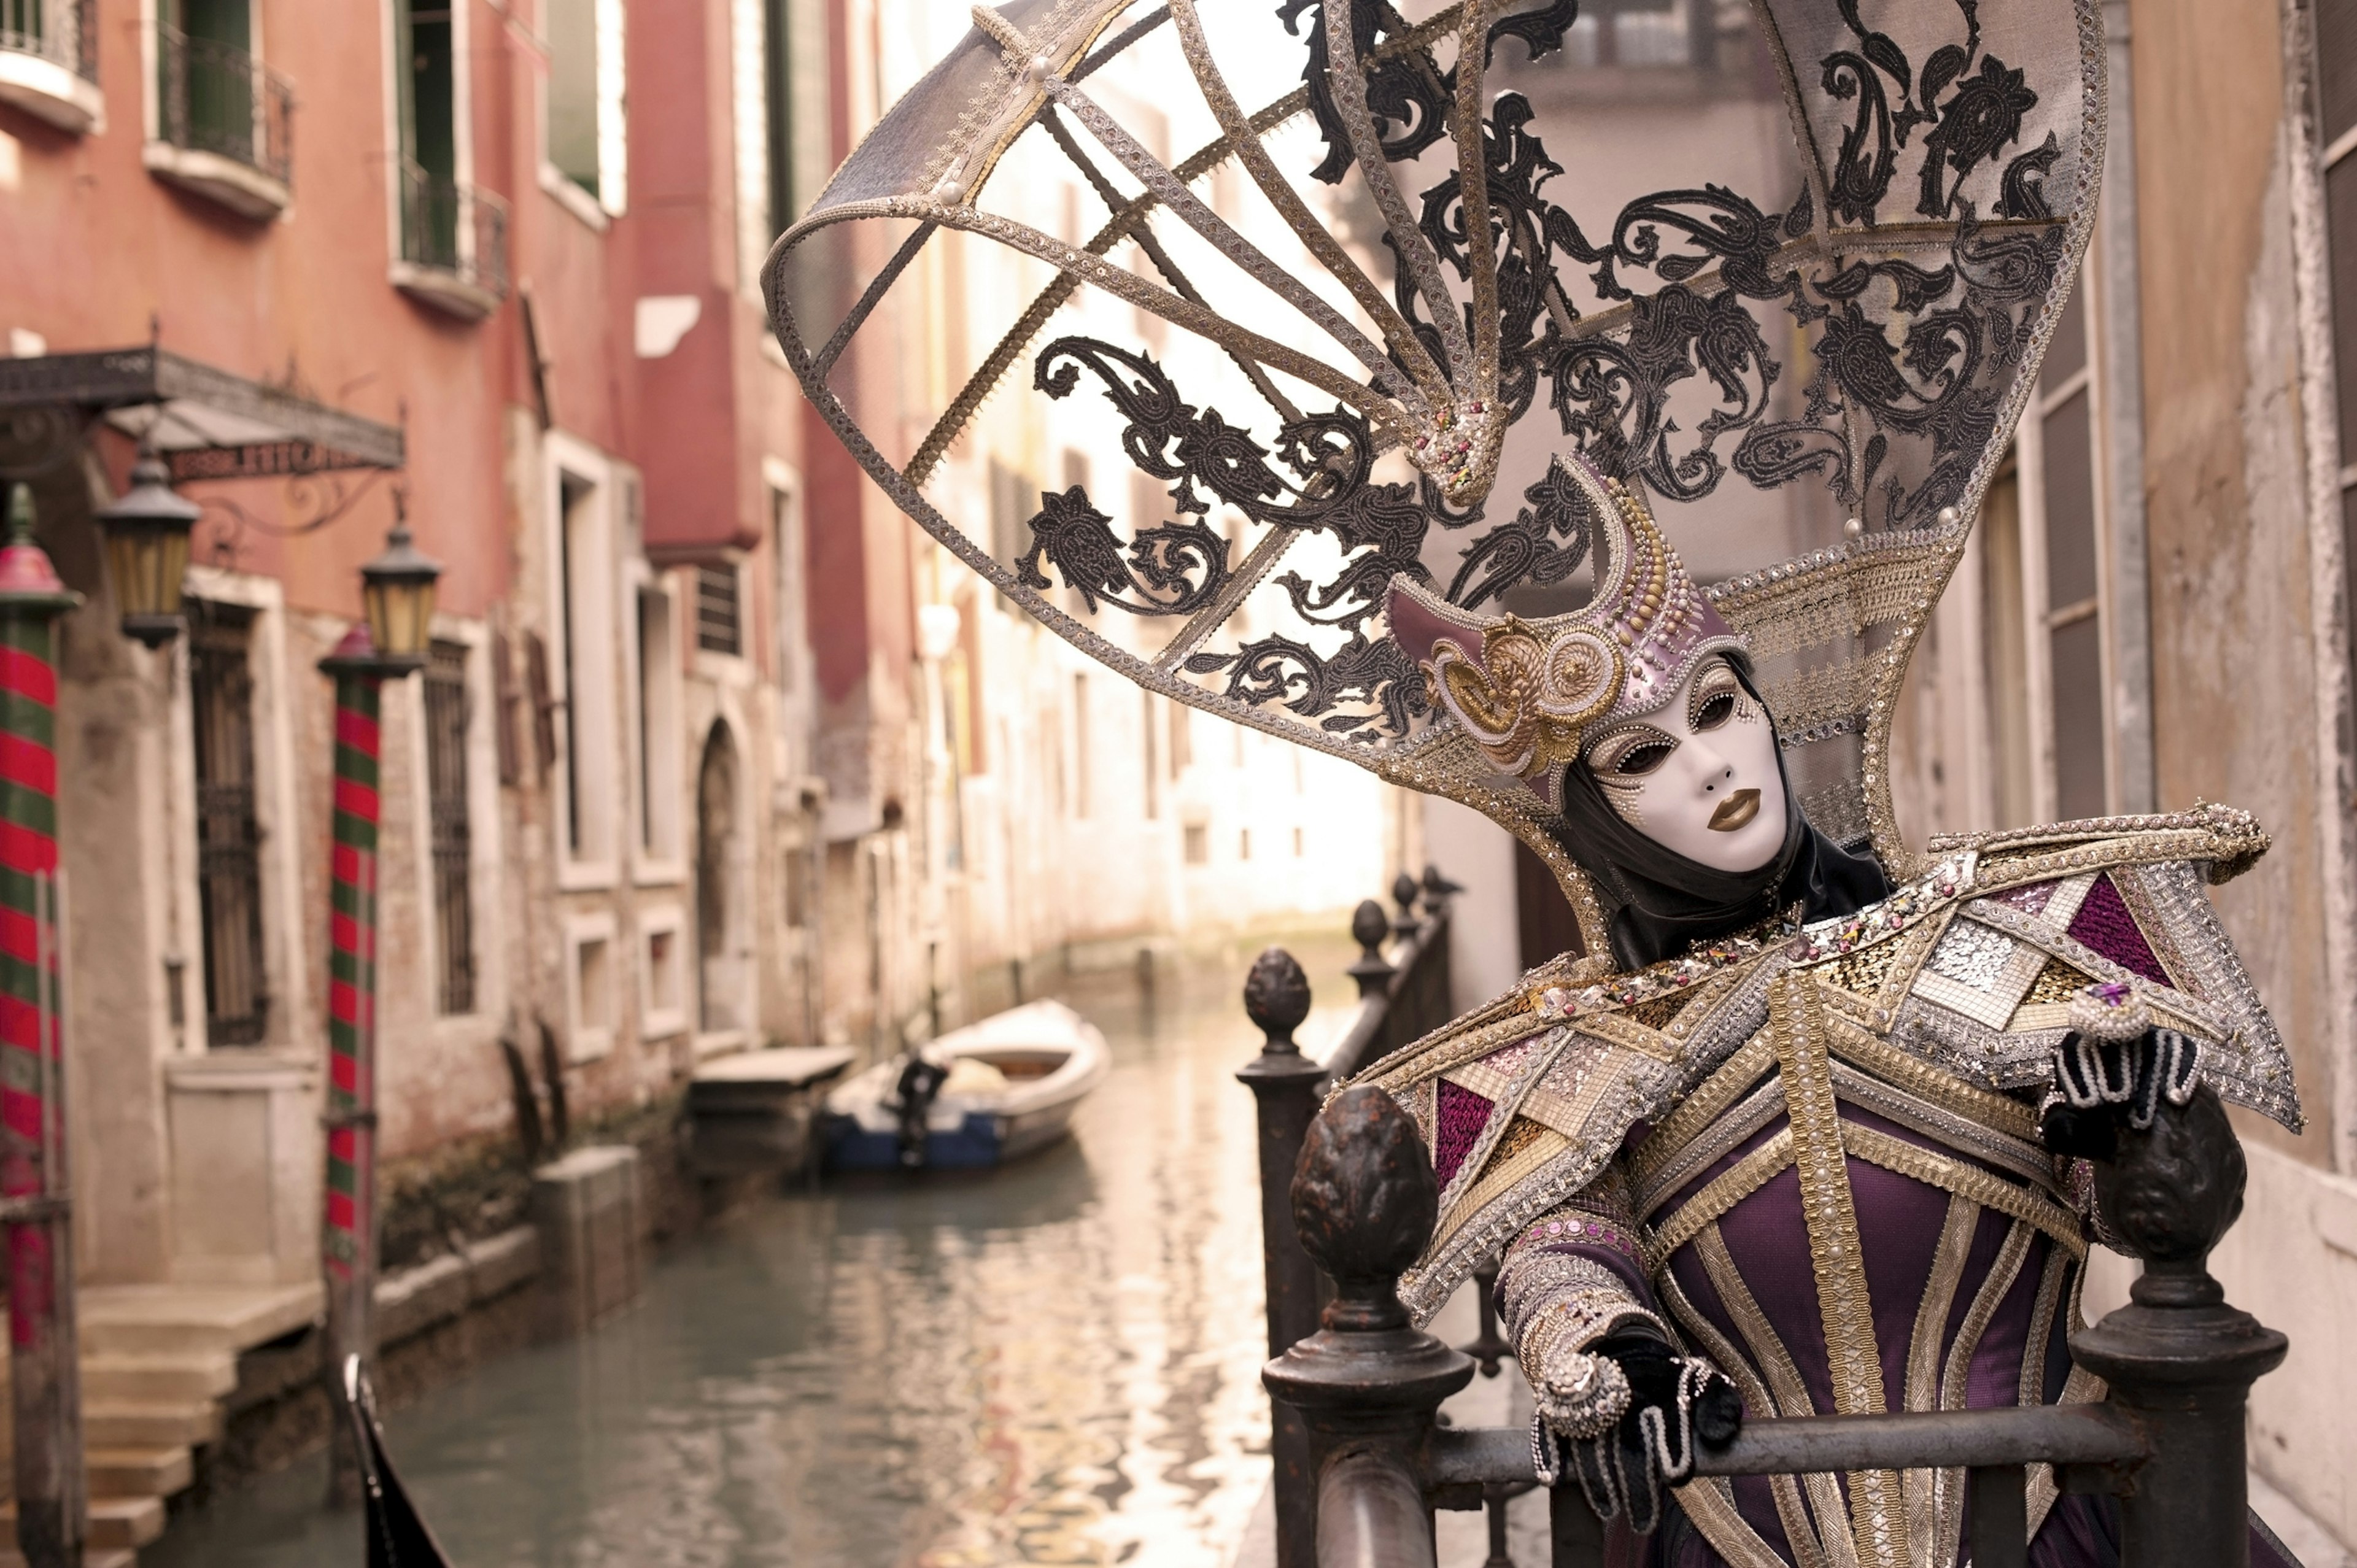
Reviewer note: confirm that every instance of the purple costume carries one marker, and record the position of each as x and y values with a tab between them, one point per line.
1812	1158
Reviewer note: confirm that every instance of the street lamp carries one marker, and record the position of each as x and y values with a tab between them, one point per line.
147	549
397	595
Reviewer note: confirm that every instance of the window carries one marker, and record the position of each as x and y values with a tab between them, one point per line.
2336	70
658	728
786	614
215	100
590	993
585	126
586	705
1243	844
719	613
452	849
229	835
1198	844
452	234
2057	579
663	1009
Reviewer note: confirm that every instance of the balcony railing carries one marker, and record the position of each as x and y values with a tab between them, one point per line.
63	32
454	242
48	60
216	99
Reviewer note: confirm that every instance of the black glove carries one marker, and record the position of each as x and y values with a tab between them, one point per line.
2100	1083
1674	1402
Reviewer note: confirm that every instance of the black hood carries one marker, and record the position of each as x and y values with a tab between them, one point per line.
1662	903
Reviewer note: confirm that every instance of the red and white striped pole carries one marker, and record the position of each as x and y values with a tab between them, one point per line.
45	1369
348	1240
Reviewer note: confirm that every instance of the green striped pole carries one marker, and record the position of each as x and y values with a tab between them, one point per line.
44	1370
348	1241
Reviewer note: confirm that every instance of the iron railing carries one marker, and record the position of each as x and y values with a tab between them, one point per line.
455	229
1400	997
216	98
1360	1461
63	32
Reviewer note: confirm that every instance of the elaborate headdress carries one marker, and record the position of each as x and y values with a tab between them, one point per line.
1528	694
1364	299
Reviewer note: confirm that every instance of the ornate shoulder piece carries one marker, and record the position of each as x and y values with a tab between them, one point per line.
2225	840
1982	987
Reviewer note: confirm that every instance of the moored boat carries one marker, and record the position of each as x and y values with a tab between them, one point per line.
992	1091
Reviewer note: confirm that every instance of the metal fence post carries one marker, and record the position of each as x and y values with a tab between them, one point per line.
44	1370
1368	1383
1286	1086
2177	1357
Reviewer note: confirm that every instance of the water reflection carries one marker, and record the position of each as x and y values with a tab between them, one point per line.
1055	1363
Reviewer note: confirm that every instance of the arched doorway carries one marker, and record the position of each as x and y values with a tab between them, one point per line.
723	948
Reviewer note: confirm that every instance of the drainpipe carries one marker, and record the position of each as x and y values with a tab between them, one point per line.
2119	338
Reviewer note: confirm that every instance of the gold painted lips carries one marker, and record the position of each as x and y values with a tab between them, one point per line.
1736	811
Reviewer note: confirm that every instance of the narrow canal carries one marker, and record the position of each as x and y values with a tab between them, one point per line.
1054	1363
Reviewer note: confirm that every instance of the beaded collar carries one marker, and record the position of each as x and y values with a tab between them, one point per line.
1799	943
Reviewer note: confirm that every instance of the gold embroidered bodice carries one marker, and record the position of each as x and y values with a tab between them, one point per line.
1813	1152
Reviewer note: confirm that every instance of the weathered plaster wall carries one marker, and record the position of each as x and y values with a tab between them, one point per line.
2233	691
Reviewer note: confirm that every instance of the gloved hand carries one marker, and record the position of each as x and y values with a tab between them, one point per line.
2113	1066
1624	1460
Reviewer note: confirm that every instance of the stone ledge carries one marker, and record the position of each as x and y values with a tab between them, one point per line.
410	1303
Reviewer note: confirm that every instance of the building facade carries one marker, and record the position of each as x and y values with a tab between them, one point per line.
708	753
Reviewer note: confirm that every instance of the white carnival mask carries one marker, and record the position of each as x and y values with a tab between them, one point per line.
1698	776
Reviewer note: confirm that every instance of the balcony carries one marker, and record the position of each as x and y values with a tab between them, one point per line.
49	62
454	245
224	124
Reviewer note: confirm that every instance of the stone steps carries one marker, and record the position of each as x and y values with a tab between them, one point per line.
157	1362
116	1524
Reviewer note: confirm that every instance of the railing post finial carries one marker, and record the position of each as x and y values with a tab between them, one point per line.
1368	928
2177	1357
1368	1383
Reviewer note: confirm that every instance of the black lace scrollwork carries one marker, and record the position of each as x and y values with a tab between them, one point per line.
1173	569
1196	451
1983	115
1408	94
1371	674
1545	544
2022	193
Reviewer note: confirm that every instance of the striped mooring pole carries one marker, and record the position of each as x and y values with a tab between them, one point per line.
348	1240
45	1367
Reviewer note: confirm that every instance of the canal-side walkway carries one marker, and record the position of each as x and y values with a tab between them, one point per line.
1054	1363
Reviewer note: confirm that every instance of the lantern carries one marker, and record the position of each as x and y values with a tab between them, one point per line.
397	595
147	536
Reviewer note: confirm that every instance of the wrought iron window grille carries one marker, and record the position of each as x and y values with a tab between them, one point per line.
213	97
63	32
456	231
229	832
720	611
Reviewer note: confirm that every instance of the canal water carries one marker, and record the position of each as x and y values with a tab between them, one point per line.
1054	1363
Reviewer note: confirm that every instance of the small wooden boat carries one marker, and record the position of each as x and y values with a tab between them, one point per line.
990	1093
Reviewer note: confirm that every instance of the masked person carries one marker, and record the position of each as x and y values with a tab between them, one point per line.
1786	1157
1382	316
